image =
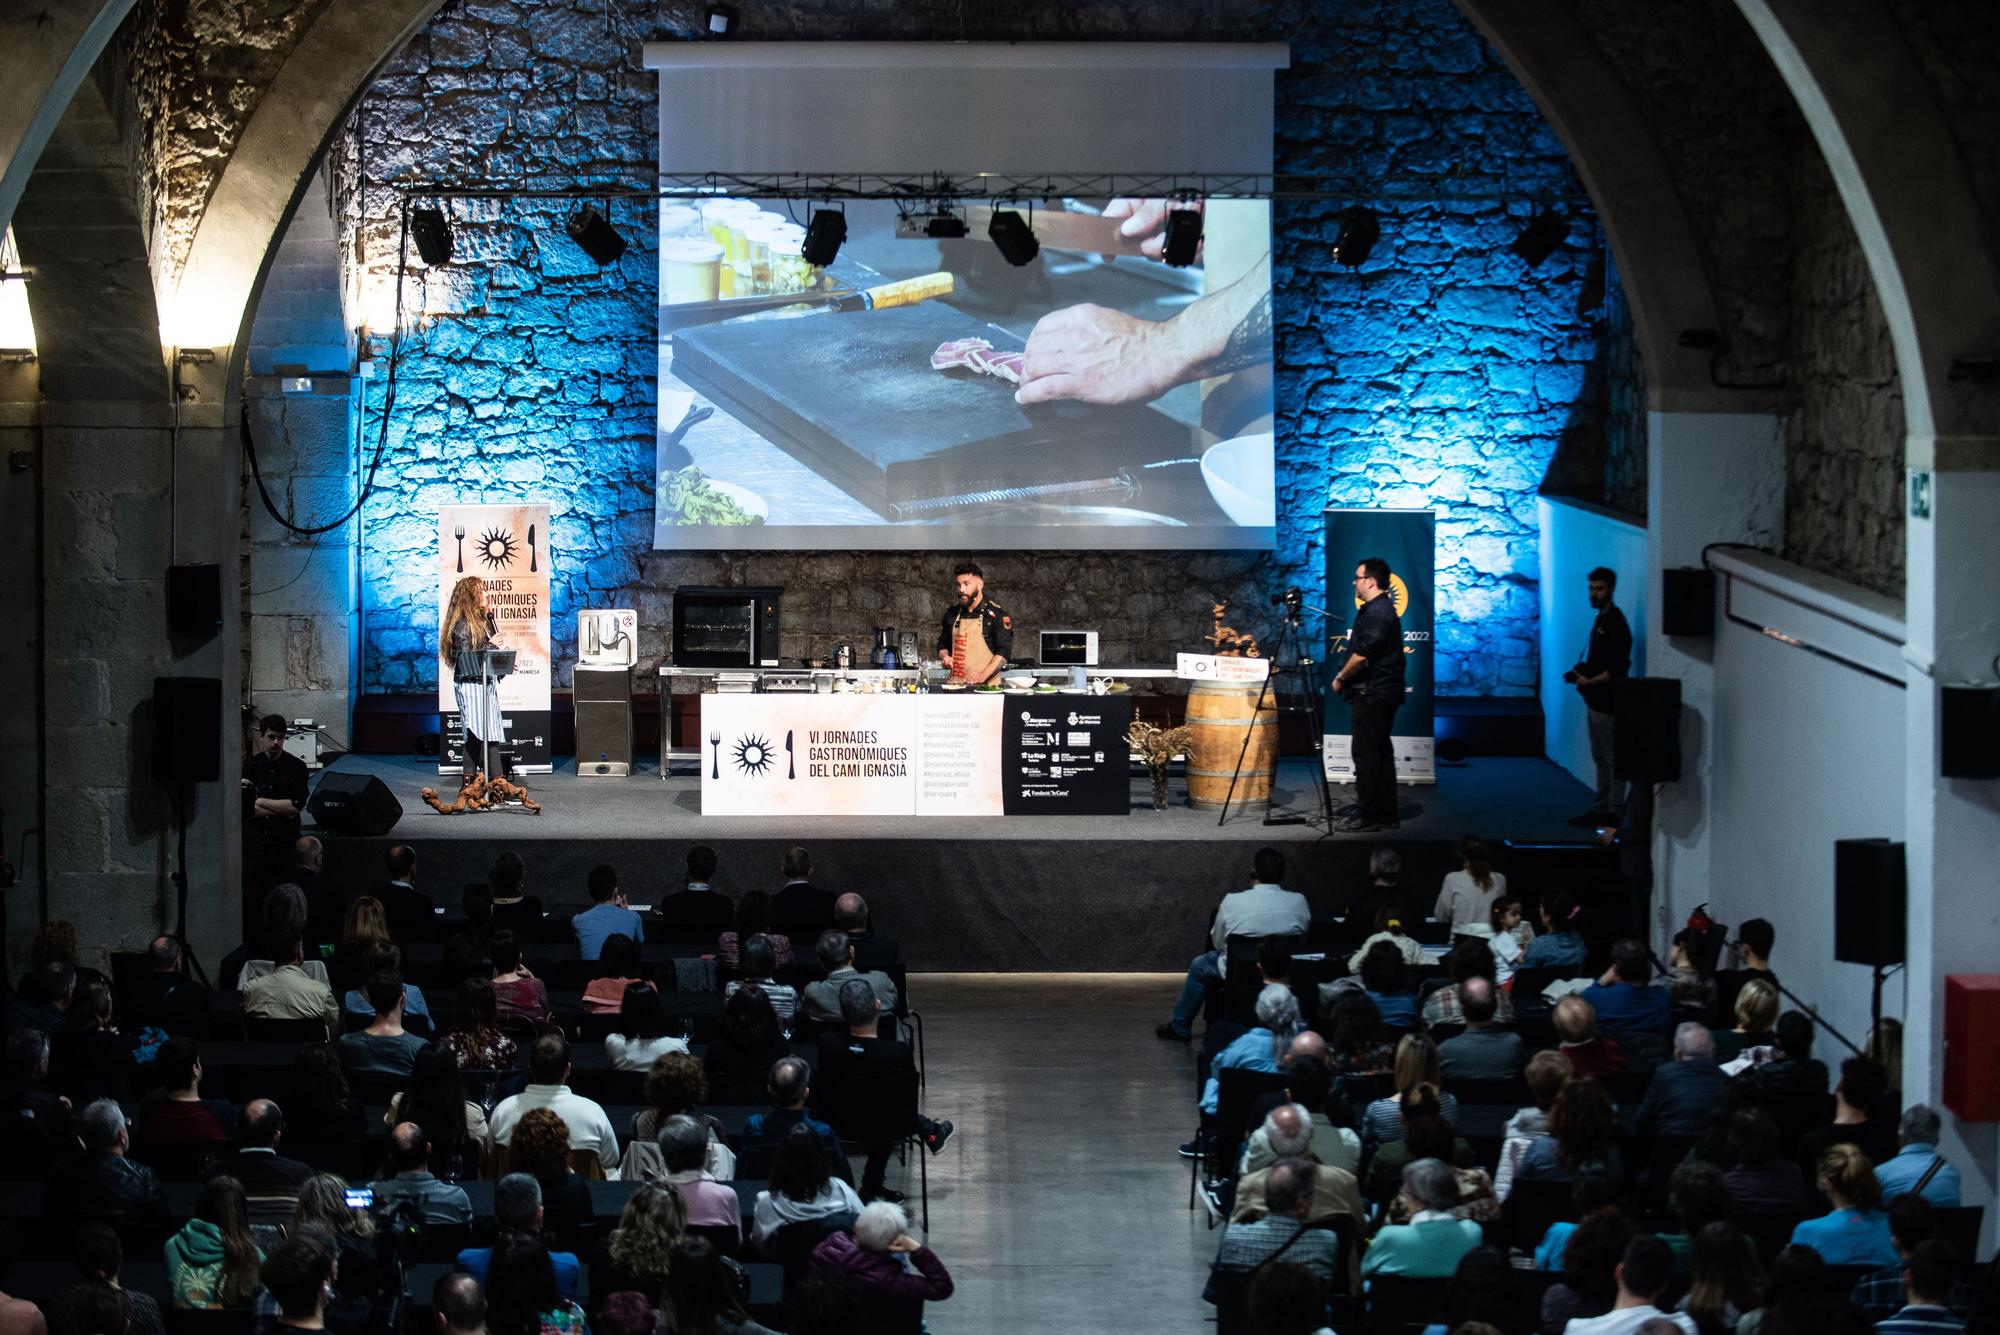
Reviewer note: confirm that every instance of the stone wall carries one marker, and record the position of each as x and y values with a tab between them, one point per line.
1441	373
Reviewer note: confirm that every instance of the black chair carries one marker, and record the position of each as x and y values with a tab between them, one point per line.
726	1240
875	1110
196	1321
1512	1093
443	1242
1769	1232
1532	1205
1397	1302
793	1245
257	1029
1663	1155
1958	1225
179	1163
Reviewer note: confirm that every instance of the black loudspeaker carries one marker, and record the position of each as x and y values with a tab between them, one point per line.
187	729
1688	598
1969	725
1869	891
1646	732
194	599
354	804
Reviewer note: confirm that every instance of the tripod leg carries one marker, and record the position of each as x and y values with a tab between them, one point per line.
1248	732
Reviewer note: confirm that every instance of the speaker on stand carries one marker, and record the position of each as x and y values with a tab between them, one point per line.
187	749
1870	895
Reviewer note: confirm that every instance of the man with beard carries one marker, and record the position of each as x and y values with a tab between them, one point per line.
1608	659
976	635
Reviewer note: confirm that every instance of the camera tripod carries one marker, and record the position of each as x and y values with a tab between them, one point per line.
1301	702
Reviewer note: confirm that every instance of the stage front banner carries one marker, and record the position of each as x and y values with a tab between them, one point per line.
1406	539
506	546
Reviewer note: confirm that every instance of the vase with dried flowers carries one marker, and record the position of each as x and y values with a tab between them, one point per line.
1157	746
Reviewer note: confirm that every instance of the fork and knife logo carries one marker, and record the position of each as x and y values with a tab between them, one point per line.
751	754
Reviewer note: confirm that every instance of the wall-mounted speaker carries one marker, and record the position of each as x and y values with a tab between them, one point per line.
354	804
1646	728
1969	725
1687	601
194	599
187	729
1869	892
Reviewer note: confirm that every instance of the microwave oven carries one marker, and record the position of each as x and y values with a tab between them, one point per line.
732	628
1069	648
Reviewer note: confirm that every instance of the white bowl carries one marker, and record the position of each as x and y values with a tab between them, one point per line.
1019	683
1242	476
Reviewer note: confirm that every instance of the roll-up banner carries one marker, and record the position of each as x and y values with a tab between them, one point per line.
1406	539
507	547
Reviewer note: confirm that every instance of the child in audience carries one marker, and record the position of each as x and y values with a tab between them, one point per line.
1511	937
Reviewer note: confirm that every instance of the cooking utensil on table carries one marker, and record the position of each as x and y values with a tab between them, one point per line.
882	297
1126	485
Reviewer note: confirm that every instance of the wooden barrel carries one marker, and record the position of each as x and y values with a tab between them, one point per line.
1219	717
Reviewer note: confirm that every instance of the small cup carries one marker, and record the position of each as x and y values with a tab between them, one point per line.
690	270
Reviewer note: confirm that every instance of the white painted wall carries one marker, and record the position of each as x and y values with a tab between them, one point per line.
1577	537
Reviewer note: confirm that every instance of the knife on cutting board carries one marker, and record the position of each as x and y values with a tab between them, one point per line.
903	292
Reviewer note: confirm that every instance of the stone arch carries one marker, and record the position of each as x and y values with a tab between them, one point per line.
1669	286
50	51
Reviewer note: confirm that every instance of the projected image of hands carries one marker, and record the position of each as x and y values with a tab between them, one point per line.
915	388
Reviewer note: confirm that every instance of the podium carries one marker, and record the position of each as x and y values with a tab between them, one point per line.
491	664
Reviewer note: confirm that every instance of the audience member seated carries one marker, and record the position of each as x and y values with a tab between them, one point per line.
460	1304
1793	1084
1246	1244
1752	949
178	1114
409	1159
1726	1281
1387	928
880	1262
470	950
801	910
44	998
1588	1195
1929	1274
387	957
364	928
323	1208
1511	937
675	1086
1239	995
640	1037
288	992
435	1100
517	1208
1260	1047
516	990
1426	1135
1690	981
1383	891
164	997
1416	1064
1358	1043
409	912
212	1262
1547	1072
1575	1022
1624	997
43	1129
1588	1262
384	1048
1642	1276
88	1057
1855	1231
1432	1244
1582	1138
836	960
1484	1051
99	1257
871	952
608	912
683	1143
548	1073
257	1164
323	1109
1385	980
1468	958
860	1054
1482	1292
1560	942
753	918
1681	1093
618	967
102	1185
789	1086
1862	1083
1696	1197
514	909
1308	1088
474	1039
702	1294
521	1293
282	916
1467	896
541	1149
636	1256
1885	1045
1759	1180
802	1186
1756	1012
1879	1293
759	962
1266	908
1916	1157
299	1276
698	907
324	901
747	1041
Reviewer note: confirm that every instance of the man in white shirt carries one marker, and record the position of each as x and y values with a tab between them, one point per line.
548	1076
1265	909
1642	1278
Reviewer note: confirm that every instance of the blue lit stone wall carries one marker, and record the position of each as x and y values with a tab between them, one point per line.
1441	373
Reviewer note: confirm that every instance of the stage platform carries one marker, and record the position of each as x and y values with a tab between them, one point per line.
1082	893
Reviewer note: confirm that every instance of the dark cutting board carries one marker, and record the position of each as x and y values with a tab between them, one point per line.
853	396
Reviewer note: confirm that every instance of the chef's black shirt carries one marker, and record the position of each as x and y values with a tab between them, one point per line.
285	778
1377	635
1610	651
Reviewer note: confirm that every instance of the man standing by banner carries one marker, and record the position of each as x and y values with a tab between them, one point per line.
1372	681
1608	659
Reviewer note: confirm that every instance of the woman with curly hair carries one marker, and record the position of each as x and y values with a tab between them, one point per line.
675	1085
1358	1043
474	1040
540	1148
467	627
211	1263
803	1187
323	1205
639	1253
1582	1137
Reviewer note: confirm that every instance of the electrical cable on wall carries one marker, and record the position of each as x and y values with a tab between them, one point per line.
388	409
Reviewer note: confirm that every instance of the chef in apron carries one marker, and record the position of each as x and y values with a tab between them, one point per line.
976	636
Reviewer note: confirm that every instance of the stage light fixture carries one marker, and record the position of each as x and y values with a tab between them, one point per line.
1360	229
1013	237
1541	238
720	20
824	234
1183	237
945	227
432	232
595	235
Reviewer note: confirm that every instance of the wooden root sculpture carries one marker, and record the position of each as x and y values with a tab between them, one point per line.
480	793
1228	641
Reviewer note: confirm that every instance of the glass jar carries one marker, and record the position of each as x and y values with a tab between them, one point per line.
690	270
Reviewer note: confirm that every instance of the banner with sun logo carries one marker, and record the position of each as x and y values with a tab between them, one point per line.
1406	539
506	548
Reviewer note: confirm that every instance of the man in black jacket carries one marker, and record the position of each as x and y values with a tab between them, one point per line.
164	996
257	1164
848	1060
850	915
409	911
975	635
699	907
1372	679
1683	1093
801	910
1608	659
102	1186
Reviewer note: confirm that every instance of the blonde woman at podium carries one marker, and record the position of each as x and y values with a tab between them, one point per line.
468	627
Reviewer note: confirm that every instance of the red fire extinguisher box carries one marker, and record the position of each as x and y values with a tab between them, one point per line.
1972	1046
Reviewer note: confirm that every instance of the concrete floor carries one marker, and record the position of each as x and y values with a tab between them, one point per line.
1060	1204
